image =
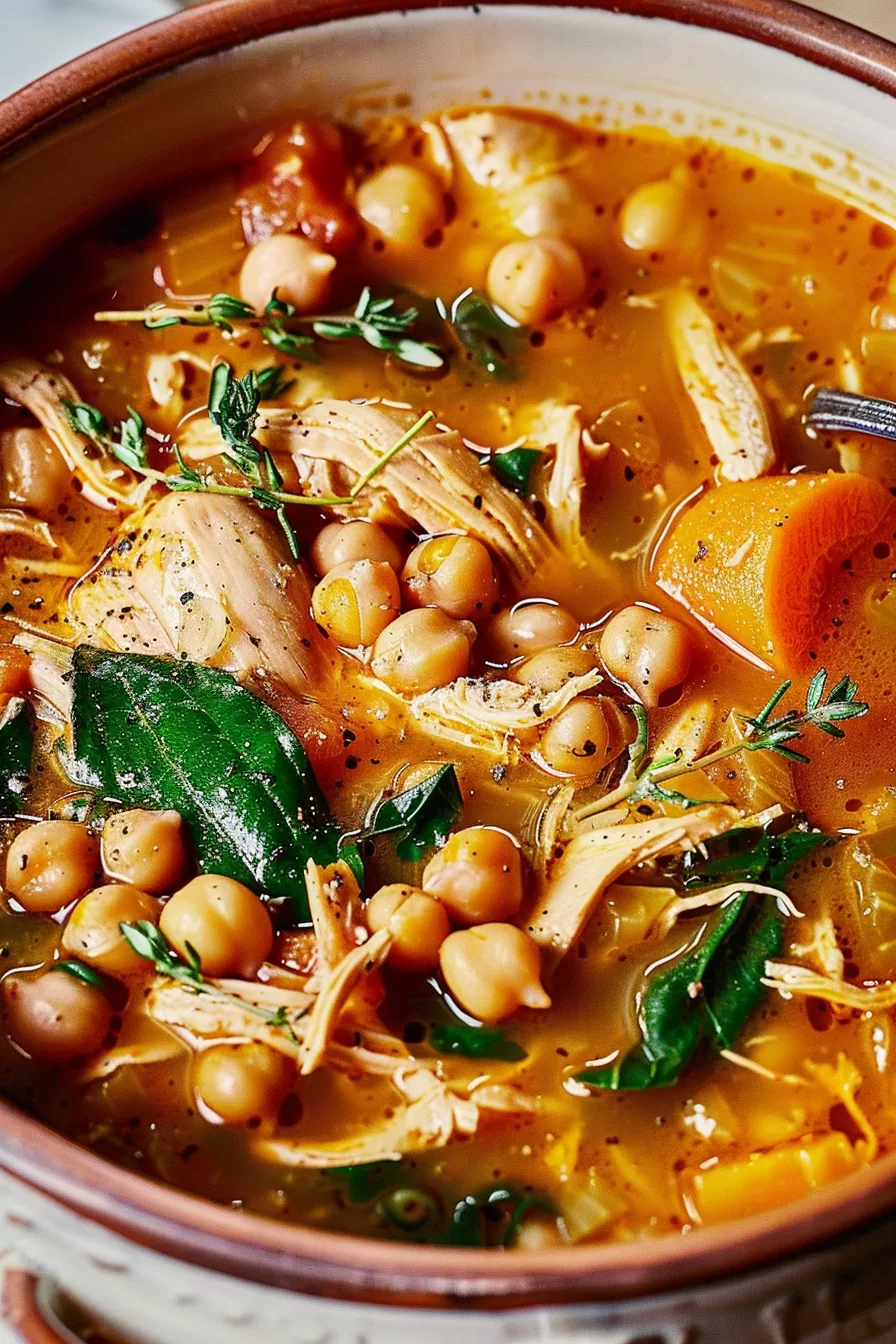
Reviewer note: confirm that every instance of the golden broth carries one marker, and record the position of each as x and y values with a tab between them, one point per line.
798	285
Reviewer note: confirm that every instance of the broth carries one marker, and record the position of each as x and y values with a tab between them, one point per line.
662	547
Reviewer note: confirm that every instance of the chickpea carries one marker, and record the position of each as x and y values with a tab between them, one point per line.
493	970
577	742
93	934
242	1082
35	474
224	921
421	650
145	848
478	876
551	669
660	217
528	628
355	602
417	921
402	204
290	266
647	651
51	864
536	279
54	1017
343	543
453	573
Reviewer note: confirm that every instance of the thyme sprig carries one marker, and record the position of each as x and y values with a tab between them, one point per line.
376	321
148	941
233	406
643	778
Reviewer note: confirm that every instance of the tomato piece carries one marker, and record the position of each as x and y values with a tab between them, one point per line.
297	184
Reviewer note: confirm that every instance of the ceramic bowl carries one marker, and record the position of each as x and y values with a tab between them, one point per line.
764	76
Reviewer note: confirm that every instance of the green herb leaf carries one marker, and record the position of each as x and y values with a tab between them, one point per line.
158	733
492	1216
149	942
16	747
480	330
368	1179
382	326
458	1038
272	382
223	309
421	817
514	468
233	407
409	1208
131	446
79	971
709	992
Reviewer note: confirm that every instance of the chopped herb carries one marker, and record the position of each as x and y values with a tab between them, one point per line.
79	971
480	330
643	778
492	1216
514	468
366	1180
272	382
16	746
421	817
409	1209
458	1038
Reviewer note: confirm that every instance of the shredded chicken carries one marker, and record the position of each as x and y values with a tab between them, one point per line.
499	717
431	1116
335	994
558	427
595	859
335	904
208	578
706	900
506	148
789	978
822	950
436	482
41	391
728	405
18	525
137	1054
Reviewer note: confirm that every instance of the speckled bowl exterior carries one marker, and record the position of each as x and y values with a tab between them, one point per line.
766	76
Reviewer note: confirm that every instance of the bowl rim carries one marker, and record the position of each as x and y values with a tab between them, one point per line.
339	1265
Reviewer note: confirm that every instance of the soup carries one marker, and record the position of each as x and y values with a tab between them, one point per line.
447	743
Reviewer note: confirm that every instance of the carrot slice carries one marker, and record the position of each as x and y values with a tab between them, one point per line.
751	560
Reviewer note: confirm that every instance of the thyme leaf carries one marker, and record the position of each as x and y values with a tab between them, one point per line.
643	778
150	943
376	321
80	971
233	405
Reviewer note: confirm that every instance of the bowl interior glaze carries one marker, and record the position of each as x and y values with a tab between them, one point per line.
192	92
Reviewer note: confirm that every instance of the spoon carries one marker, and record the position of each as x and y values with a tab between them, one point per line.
830	410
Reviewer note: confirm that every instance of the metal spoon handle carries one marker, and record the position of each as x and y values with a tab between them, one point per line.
852	412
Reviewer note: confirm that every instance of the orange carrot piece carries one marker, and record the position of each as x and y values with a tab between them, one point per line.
751	560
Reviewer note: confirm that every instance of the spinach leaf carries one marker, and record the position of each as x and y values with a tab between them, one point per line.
492	1216
514	468
480	330
750	854
15	758
458	1038
421	817
157	733
670	1018
726	966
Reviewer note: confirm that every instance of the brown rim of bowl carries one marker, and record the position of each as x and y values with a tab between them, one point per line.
335	1264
